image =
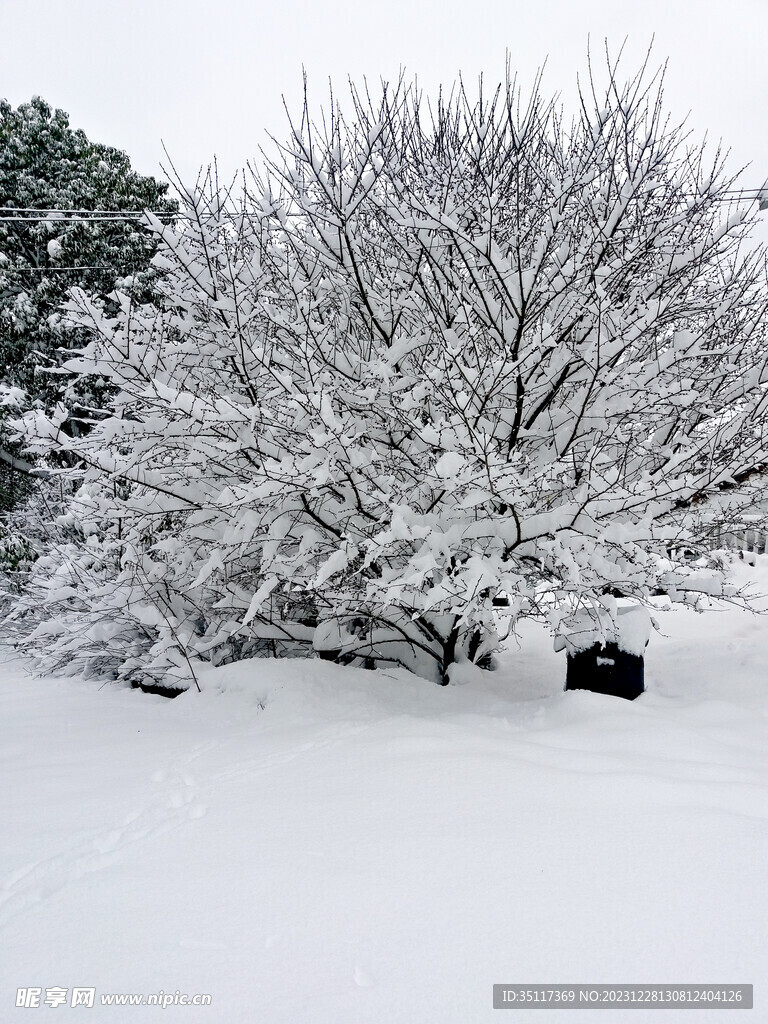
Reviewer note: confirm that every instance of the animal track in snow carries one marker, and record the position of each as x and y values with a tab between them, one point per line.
168	809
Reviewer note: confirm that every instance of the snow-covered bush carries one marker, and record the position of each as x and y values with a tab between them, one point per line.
434	370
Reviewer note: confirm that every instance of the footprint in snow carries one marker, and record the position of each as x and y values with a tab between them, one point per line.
362	978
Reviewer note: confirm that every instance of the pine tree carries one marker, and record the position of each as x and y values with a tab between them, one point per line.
47	166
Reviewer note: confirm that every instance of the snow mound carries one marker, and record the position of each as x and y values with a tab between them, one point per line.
627	626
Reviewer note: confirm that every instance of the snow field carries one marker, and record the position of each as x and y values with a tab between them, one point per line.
313	843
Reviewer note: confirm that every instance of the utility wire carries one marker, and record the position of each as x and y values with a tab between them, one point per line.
48	270
73	214
82	220
72	209
50	215
761	197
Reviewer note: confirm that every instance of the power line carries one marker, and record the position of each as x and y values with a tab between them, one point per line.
49	270
104	219
49	215
53	212
22	214
74	209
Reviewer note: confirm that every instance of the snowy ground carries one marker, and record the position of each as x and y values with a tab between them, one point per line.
311	843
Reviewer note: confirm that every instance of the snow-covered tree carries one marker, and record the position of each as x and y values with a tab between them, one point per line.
438	368
53	182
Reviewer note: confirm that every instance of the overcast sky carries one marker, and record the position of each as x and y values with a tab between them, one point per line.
207	76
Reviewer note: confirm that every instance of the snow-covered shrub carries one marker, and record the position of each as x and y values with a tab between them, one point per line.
430	373
17	555
27	530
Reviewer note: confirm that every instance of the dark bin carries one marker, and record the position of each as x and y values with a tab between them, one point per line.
606	669
159	689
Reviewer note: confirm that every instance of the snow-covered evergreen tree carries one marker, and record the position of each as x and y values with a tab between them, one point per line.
47	166
437	369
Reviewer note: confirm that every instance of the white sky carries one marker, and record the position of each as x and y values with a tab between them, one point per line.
207	77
